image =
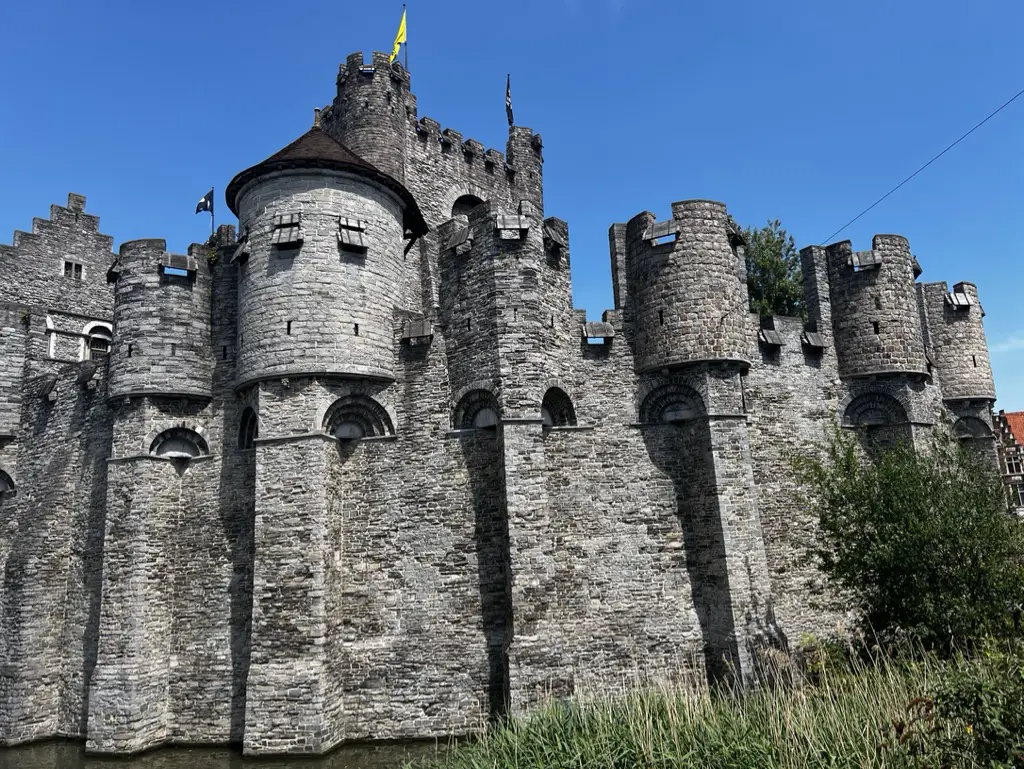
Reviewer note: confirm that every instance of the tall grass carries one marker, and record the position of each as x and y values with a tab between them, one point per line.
850	716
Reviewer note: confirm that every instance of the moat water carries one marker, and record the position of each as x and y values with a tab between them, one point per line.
71	755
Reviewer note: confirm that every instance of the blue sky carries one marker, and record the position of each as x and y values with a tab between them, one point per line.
807	111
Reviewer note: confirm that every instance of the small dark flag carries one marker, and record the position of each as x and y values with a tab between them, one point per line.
508	99
206	203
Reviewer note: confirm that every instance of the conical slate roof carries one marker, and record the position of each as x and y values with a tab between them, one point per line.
316	149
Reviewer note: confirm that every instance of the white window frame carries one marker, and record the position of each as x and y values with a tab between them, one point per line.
84	352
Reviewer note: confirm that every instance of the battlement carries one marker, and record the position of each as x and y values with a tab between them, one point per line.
357	69
686	287
161	340
841	253
956	340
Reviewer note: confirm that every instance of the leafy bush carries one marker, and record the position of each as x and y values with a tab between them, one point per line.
918	544
982	706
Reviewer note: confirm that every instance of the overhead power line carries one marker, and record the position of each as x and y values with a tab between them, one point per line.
1003	106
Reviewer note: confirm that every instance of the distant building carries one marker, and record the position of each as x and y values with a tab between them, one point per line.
1010	434
363	471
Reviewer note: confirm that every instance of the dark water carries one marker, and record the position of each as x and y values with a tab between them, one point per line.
71	755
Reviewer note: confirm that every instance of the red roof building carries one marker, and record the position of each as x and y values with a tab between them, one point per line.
1010	434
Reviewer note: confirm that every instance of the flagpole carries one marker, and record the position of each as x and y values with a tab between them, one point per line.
406	38
213	230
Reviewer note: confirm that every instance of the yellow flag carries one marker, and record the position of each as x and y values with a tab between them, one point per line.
399	38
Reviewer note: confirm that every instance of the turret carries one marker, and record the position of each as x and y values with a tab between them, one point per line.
525	153
161	340
875	317
321	263
959	349
687	291
372	111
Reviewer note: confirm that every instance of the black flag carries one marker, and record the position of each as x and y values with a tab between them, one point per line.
206	203
508	99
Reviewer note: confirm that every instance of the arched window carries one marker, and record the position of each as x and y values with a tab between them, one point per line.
6	485
98	338
557	410
967	428
357	416
478	409
672	403
248	429
178	443
874	410
465	204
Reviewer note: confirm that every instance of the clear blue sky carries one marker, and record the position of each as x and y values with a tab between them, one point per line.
806	111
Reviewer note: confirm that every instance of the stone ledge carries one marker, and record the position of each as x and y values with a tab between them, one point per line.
312	436
135	457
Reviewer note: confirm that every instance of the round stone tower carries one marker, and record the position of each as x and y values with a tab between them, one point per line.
322	262
958	342
875	315
687	287
369	115
161	322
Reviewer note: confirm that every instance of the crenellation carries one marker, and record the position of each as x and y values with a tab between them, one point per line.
362	471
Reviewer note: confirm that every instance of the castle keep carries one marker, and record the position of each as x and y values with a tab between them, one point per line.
361	471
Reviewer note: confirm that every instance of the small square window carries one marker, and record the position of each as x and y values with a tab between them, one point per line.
73	270
1014	466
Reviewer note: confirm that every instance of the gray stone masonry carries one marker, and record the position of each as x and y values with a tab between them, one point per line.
345	477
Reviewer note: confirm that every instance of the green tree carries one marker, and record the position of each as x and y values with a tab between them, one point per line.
920	544
774	281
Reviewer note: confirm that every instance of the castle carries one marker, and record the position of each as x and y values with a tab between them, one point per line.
363	472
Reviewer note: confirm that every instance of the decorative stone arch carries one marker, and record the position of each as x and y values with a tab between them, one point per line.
335	393
477	409
556	409
874	409
150	441
464	191
356	416
97	338
648	385
248	428
969	428
672	403
179	443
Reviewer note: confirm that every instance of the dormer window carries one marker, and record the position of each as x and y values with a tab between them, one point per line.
287	231
73	270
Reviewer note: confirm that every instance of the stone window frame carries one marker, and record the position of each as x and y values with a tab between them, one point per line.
557	409
248	429
51	343
359	417
968	428
89	333
179	433
477	409
76	267
8	488
672	403
874	409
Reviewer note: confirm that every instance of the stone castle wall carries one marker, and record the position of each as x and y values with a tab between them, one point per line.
537	504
